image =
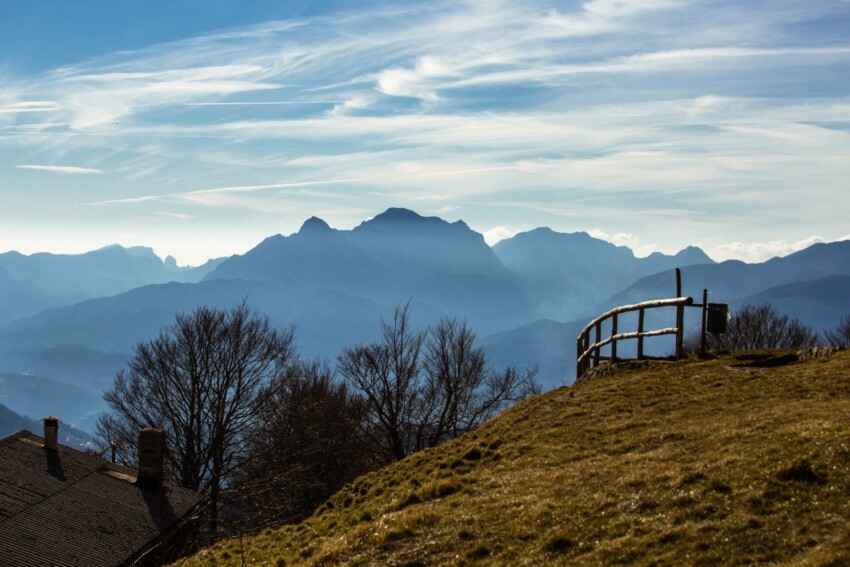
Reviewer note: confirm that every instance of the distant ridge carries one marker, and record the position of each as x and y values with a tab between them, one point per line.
417	245
733	280
566	273
32	283
526	297
394	257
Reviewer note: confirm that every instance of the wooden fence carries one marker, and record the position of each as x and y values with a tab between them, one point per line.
589	355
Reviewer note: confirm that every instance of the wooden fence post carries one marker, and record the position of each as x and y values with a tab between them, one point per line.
579	352
613	340
598	339
680	331
640	334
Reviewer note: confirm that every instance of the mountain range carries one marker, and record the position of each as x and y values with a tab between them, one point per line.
74	319
31	284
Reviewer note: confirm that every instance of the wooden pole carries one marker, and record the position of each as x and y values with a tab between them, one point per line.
640	334
598	339
680	318
678	282
704	314
614	341
680	331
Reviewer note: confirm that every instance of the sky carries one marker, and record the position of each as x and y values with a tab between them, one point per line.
201	127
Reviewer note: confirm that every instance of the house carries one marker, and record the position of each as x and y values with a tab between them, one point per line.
61	506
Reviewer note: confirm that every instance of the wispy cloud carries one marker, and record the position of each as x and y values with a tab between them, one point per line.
29	106
265	103
762	251
183	217
74	170
715	118
224	196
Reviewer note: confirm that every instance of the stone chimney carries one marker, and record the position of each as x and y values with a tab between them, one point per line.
151	458
51	432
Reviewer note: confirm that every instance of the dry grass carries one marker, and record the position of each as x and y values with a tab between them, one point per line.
693	463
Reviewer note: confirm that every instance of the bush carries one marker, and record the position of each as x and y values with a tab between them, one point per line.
755	327
839	337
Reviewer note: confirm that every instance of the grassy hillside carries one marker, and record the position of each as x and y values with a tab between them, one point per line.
733	461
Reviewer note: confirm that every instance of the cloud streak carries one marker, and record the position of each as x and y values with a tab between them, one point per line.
65	169
29	106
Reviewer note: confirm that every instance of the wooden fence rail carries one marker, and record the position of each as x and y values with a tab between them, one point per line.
588	355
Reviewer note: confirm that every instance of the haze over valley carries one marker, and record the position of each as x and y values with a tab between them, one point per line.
70	322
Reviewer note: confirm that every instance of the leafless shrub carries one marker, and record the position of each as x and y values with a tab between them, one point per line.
755	327
839	337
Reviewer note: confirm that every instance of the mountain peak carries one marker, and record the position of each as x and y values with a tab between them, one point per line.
693	255
314	225
395	218
134	251
398	214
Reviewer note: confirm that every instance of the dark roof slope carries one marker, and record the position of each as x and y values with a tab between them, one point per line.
66	507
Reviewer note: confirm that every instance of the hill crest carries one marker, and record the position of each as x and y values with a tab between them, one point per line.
718	461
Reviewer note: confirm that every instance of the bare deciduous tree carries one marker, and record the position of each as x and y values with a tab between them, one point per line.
307	447
387	375
203	380
839	337
755	327
460	391
419	399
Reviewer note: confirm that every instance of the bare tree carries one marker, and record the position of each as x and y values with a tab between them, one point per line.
839	337
387	375
203	380
307	447
755	327
419	399
460	391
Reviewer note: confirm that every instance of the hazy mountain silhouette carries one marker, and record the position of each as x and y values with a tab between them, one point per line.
396	256
527	298
416	247
88	342
32	395
316	256
31	283
820	303
564	273
548	344
733	279
19	299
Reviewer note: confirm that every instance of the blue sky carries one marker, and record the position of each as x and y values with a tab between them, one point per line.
201	127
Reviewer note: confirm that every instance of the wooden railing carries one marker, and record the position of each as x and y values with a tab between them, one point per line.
589	355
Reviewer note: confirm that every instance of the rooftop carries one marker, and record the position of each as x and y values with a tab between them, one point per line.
66	507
